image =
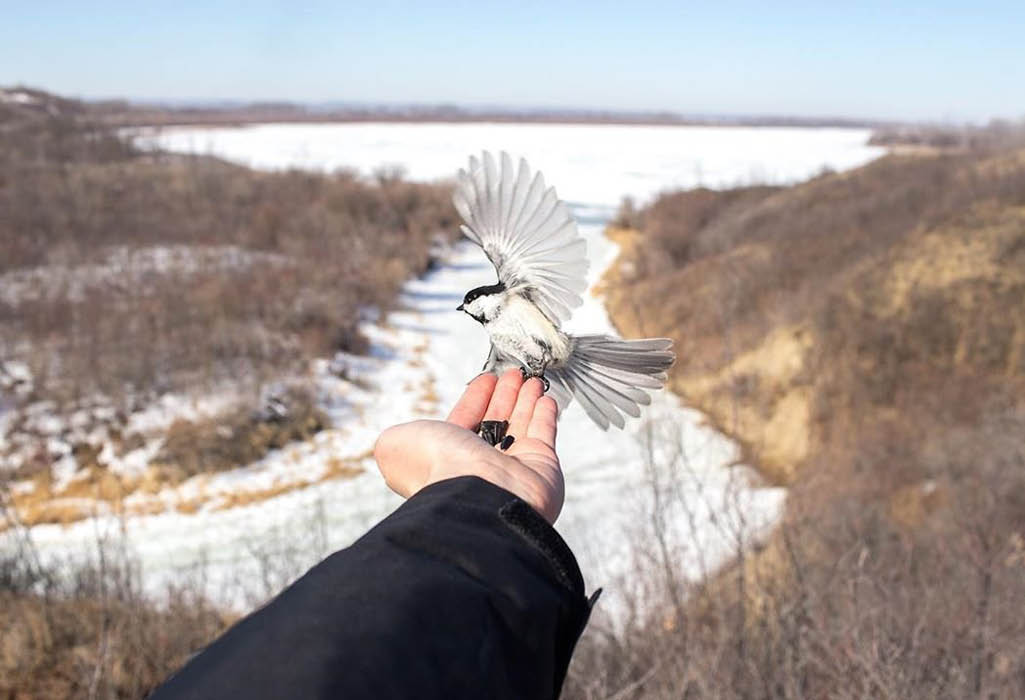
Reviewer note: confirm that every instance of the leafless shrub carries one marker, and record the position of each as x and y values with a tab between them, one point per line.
84	629
239	438
996	136
853	596
85	626
250	273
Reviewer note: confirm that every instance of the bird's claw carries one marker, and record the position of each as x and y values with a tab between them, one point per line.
527	374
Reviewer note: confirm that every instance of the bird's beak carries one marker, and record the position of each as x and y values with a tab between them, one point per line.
459	308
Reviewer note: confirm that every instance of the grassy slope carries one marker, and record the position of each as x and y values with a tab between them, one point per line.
800	314
863	336
311	251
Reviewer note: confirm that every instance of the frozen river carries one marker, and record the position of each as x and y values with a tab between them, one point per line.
711	502
589	164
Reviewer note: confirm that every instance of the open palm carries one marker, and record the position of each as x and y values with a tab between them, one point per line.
413	455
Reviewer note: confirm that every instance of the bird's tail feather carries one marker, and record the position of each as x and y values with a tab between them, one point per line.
609	376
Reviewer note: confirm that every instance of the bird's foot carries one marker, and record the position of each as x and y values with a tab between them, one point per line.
527	374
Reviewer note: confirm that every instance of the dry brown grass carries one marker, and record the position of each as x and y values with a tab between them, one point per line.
89	633
864	591
80	626
236	439
274	267
900	270
862	335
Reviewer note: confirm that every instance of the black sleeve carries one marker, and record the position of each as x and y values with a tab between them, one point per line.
463	592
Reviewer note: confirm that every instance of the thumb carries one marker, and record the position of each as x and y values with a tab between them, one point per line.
405	470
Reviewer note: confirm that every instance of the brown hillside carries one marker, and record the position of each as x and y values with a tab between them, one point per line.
863	336
800	314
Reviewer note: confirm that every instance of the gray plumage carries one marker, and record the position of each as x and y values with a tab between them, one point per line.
541	261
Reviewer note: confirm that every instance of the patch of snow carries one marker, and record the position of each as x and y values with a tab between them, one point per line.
41	425
17	97
128	270
13	372
64	470
57	448
49	424
157	417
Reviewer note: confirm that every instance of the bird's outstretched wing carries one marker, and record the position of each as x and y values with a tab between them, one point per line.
526	232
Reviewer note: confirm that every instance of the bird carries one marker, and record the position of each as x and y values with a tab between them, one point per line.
540	258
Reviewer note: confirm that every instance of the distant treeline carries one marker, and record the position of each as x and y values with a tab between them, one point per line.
121	112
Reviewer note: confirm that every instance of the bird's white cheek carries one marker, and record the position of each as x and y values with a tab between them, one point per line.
485	307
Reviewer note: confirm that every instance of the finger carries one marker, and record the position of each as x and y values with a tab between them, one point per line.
543	423
504	398
470	408
530	392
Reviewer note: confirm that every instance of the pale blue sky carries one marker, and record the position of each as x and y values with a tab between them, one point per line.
908	60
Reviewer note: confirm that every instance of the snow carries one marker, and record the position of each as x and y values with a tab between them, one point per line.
17	97
126	269
588	164
42	425
159	415
15	380
424	354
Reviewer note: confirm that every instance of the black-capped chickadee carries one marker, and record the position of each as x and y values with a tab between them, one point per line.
541	260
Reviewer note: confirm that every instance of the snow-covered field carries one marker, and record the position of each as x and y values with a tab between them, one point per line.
424	354
589	164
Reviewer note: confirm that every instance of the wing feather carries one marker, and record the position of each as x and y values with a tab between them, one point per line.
527	233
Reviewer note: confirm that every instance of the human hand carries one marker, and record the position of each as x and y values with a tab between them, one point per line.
414	455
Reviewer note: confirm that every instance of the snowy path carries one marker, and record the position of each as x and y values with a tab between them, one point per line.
424	355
